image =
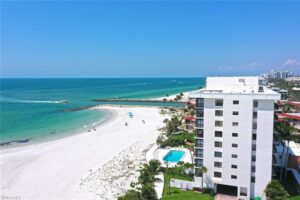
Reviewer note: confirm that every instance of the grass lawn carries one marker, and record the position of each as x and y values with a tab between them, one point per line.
177	194
295	198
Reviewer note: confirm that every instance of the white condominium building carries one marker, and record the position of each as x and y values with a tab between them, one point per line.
234	135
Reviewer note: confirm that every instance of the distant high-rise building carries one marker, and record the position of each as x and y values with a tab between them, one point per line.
279	74
234	135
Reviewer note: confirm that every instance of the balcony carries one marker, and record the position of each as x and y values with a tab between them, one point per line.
200	113
199	123
199	133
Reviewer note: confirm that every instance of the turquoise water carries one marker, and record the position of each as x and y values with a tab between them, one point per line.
174	156
33	108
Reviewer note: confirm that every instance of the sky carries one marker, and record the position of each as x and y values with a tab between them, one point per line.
148	38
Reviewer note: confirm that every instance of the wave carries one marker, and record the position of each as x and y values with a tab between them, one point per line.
12	100
135	84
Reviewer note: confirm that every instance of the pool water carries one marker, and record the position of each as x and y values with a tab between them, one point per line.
174	156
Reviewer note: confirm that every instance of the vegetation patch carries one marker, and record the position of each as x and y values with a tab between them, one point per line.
173	193
177	140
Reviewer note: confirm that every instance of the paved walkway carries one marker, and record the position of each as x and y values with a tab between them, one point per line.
225	197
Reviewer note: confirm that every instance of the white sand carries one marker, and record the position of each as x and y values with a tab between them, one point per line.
96	165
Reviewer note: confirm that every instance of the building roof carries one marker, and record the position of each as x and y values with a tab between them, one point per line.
282	90
294	103
218	86
191	102
294	148
296	88
295	116
191	118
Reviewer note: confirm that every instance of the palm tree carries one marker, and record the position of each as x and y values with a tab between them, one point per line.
286	134
148	192
203	170
275	191
149	171
187	167
154	167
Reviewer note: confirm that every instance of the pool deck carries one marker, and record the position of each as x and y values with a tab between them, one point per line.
159	154
155	153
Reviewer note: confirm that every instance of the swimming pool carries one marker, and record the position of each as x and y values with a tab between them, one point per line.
174	156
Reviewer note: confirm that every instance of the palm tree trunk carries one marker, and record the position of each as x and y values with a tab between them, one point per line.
202	179
282	160
191	155
287	154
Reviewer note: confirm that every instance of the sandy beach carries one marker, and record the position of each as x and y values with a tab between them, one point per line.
92	165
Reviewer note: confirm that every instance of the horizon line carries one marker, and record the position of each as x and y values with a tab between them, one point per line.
61	77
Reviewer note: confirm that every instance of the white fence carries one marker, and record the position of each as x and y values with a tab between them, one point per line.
184	185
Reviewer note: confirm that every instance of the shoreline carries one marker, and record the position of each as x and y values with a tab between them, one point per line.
171	97
58	136
79	159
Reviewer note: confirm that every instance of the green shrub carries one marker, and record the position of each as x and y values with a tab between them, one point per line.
178	140
275	191
131	195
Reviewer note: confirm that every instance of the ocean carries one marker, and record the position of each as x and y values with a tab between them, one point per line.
33	109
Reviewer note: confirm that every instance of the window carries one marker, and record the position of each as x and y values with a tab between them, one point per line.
198	172
219	102
252	179
255	114
253	158
252	168
253	147
234	166
235	123
217	174
199	123
218	144
255	103
233	177
199	133
199	153
199	113
218	154
235	102
218	123
243	191
218	164
254	125
198	162
199	143
200	103
234	156
219	113
253	136
218	133
235	113
234	145
234	134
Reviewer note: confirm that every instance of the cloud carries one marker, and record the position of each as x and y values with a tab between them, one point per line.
290	62
259	67
289	65
247	69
